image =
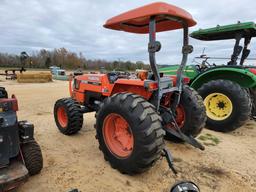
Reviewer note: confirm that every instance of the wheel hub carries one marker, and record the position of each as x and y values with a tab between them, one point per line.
218	106
118	135
179	117
221	105
122	134
62	117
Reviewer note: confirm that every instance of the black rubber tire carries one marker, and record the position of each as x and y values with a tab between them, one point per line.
74	113
253	98
32	157
145	125
3	93
240	99
195	114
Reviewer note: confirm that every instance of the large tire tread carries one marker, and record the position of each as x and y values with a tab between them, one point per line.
195	114
148	132
74	113
241	99
32	157
253	98
198	117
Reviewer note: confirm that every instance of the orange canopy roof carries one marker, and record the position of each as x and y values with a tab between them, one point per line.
137	20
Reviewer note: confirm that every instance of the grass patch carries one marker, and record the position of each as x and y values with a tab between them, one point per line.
209	139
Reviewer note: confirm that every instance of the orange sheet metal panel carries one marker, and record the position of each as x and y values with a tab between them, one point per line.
135	86
91	82
88	82
130	82
137	20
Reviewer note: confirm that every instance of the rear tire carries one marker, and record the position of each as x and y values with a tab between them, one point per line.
253	98
32	157
228	105
68	116
194	114
144	127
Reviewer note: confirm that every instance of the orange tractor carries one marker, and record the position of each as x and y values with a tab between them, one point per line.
134	114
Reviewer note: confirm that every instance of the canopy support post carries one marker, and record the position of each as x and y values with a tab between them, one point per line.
237	50
153	47
246	51
186	50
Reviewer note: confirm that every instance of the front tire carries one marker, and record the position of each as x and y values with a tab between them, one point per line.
129	132
190	114
32	156
68	116
228	106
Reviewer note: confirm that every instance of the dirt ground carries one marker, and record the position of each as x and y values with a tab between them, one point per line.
227	164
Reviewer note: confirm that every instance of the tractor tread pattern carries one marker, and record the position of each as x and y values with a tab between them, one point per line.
195	113
198	119
243	104
148	132
32	157
253	98
74	113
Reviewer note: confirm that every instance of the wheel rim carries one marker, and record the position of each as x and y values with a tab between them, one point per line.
62	117
118	135
180	117
218	106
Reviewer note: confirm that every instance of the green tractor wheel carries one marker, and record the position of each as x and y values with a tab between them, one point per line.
227	104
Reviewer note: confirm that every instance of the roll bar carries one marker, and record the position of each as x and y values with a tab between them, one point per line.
155	46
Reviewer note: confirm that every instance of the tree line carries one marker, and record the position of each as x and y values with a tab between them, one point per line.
65	59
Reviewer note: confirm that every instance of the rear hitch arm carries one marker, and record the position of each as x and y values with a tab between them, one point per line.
188	139
167	154
178	133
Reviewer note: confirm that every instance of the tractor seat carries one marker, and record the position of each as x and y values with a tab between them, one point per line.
152	77
114	75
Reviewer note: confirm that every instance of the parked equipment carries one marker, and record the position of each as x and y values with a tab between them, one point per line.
58	73
11	74
229	91
133	115
20	155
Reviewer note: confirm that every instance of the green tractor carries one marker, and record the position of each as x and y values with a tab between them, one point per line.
229	91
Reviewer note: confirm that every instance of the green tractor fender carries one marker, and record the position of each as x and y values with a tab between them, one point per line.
243	77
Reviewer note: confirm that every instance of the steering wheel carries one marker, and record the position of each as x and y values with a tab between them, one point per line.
198	67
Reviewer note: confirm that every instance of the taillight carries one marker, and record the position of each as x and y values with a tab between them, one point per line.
253	70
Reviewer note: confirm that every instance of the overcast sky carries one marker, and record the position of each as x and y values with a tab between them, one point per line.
30	25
